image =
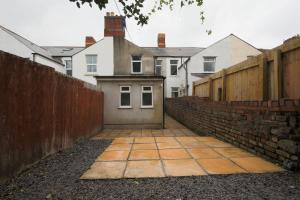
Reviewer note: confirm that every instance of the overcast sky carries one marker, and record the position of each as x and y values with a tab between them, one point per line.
263	23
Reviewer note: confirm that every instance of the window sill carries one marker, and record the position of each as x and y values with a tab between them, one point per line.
138	73
147	107
91	74
124	107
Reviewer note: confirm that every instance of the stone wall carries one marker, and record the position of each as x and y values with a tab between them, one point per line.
270	129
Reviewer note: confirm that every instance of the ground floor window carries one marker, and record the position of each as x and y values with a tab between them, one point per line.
147	96
125	97
174	92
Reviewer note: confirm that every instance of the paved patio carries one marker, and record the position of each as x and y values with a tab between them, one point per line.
175	151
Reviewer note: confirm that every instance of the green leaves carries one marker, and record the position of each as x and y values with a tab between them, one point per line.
133	8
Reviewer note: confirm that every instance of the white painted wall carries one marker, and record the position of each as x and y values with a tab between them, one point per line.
45	61
172	81
105	63
11	45
229	51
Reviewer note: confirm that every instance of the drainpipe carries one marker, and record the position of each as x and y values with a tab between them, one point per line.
164	103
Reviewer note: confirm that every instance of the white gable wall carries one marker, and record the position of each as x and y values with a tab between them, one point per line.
229	51
105	63
11	45
45	61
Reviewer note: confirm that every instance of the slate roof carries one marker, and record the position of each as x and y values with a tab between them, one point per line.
33	47
63	51
174	51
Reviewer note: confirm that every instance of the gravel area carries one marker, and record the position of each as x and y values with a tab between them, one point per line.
57	177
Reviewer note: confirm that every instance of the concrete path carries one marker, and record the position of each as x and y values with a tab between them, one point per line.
175	151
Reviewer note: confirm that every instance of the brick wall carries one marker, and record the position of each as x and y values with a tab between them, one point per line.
41	112
270	129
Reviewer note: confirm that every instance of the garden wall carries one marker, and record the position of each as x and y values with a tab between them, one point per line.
270	129
41	112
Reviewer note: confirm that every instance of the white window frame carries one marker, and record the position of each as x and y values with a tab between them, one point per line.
174	65
69	68
147	91
205	61
174	92
136	61
122	92
91	64
158	65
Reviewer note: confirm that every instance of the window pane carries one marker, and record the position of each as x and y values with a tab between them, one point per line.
147	99
209	66
158	70
125	99
158	62
68	64
209	59
173	62
125	88
147	88
136	67
173	70
69	72
91	59
136	58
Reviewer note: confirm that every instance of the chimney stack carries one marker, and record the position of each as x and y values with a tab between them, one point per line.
114	25
161	40
89	41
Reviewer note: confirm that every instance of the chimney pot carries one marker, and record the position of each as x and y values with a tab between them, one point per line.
89	41
161	40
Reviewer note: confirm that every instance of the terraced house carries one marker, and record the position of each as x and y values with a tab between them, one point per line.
134	94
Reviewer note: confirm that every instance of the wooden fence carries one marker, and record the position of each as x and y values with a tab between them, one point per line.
272	75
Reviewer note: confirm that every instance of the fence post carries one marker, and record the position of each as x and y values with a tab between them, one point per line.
278	75
224	85
263	78
210	89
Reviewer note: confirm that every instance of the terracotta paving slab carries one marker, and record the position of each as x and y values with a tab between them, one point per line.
204	153
169	145
123	140
182	168
233	152
113	156
144	146
144	169
175	151
256	165
105	170
143	155
116	147
174	154
220	166
144	140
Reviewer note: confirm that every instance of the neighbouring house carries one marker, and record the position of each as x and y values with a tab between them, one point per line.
125	72
167	63
64	54
222	54
13	43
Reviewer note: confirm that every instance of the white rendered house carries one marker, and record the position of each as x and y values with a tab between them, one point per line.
222	54
13	43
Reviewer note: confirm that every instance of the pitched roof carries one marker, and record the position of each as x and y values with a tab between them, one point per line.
174	51
63	51
33	47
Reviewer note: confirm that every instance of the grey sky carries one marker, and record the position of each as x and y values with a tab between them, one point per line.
263	23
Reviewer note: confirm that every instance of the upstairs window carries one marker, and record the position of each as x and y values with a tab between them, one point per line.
174	92
125	97
68	64
209	64
173	65
91	63
158	67
147	97
136	64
